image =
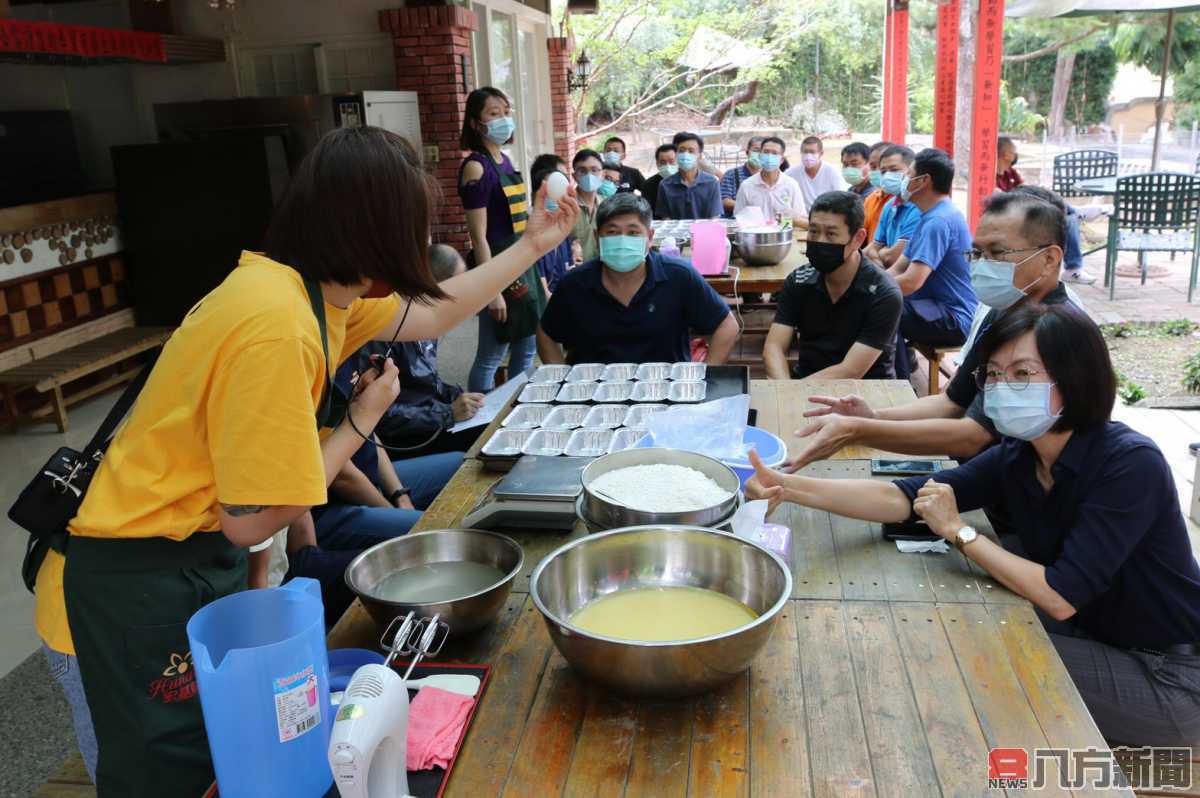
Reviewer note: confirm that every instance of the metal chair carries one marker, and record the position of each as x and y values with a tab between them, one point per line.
1154	212
1071	167
1196	169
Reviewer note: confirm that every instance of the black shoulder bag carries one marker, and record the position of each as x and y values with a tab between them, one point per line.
52	499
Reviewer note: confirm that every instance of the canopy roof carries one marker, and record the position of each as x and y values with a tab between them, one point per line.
1083	8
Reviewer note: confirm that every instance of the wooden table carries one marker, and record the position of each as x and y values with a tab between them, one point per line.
888	674
760	279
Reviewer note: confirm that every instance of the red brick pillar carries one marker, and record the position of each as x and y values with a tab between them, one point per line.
433	58
560	97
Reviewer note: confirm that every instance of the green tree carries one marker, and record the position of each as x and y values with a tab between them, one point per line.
1095	68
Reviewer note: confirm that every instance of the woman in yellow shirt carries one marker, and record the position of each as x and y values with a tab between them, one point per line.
222	448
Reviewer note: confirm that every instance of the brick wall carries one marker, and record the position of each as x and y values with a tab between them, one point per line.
433	58
561	65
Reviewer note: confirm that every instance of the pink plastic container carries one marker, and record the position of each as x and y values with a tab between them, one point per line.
710	248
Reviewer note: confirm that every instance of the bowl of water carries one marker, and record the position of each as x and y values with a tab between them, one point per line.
462	575
660	611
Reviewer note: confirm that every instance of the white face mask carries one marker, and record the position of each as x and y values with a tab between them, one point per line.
1024	413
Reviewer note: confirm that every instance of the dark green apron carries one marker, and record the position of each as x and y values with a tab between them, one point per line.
128	604
525	298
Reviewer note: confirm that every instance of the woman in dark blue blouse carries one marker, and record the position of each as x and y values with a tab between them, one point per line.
1100	546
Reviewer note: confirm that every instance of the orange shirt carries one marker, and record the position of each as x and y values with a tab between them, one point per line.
873	208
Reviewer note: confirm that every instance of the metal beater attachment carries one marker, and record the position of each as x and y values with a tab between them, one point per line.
415	637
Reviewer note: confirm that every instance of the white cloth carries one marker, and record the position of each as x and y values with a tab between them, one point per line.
827	179
783	197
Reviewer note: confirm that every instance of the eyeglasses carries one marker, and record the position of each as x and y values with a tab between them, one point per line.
975	254
1017	376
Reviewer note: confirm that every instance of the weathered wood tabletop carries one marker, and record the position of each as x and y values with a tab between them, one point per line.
760	279
888	674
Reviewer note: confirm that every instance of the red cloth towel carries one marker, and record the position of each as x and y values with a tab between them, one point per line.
435	722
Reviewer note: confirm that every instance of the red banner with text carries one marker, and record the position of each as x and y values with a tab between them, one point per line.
945	97
985	117
79	41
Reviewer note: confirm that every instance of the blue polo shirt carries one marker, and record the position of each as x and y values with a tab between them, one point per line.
730	184
1109	532
896	222
678	200
941	241
595	328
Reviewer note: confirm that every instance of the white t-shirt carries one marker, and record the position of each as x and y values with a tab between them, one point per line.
827	179
784	197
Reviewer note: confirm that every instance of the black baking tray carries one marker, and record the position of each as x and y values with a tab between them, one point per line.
722	381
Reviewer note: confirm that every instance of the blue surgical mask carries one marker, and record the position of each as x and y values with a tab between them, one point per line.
622	253
612	158
500	129
771	161
891	182
666	170
607	189
1020	413
755	159
875	178
686	161
590	182
852	175
993	282
905	194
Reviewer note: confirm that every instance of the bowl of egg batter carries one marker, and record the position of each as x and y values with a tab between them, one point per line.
660	611
462	575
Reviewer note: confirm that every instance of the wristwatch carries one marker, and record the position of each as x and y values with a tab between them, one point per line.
398	493
965	535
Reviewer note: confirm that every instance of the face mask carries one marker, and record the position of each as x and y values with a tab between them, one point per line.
905	193
612	158
590	182
770	161
500	129
810	159
666	170
993	282
1023	414
891	182
607	189
686	160
876	177
622	253
825	257
852	174
755	160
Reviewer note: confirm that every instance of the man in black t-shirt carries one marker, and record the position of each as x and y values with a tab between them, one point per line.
842	309
1018	235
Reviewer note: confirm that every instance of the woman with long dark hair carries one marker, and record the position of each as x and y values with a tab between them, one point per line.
1100	546
496	200
222	447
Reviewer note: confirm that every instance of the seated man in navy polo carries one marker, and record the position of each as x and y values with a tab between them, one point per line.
844	311
632	305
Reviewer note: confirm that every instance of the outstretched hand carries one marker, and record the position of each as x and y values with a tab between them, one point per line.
825	438
546	229
851	405
765	484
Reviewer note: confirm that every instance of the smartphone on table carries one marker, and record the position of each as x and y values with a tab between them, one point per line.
904	468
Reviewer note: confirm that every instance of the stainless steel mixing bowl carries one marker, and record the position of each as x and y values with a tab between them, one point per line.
608	514
658	556
764	248
464	613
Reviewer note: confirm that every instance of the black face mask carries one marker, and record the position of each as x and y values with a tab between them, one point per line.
826	257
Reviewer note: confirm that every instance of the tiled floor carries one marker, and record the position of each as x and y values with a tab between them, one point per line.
1162	298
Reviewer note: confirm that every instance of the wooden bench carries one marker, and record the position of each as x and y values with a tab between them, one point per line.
49	374
934	355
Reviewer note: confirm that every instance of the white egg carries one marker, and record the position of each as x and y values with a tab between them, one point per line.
556	185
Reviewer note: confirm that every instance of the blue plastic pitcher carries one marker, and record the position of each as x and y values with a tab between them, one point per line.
263	674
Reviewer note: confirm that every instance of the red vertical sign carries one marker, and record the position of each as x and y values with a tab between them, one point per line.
895	73
985	119
946	83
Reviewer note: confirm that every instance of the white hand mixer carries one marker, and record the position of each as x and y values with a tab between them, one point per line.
368	743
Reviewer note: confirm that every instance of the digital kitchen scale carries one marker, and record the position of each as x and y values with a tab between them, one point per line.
539	492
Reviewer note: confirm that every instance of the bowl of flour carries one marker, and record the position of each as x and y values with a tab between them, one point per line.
658	486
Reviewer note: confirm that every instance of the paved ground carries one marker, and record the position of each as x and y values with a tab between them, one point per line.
1162	298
